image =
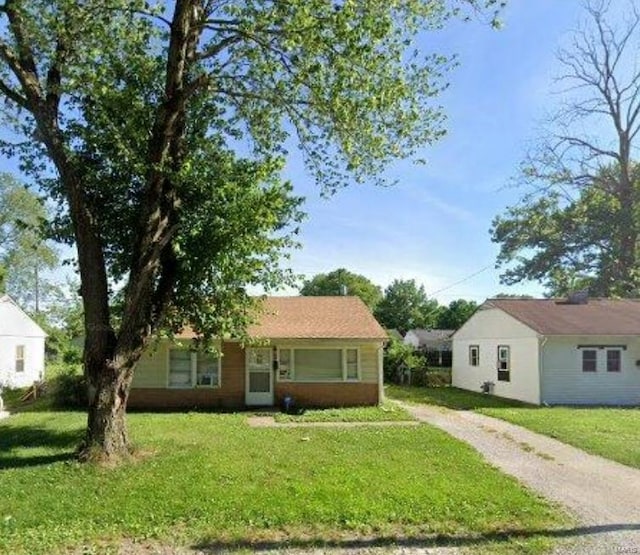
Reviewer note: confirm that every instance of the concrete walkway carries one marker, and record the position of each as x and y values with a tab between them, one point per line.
603	495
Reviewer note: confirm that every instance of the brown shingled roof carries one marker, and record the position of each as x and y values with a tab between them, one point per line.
558	317
317	318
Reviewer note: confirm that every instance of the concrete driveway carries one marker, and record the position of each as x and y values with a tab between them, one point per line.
603	495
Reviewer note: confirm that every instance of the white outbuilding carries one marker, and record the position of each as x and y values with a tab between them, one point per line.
21	346
575	351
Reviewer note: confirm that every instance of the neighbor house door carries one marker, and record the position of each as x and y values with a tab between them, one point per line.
259	383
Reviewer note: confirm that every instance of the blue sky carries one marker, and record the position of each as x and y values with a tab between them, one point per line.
434	225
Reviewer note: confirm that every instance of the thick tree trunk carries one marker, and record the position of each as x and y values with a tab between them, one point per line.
106	438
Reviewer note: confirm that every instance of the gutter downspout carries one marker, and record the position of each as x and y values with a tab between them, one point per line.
542	342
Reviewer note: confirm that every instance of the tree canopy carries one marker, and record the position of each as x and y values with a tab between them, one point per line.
455	314
578	226
130	115
340	282
405	306
25	255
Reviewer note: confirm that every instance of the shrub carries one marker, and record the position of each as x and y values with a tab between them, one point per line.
399	357
68	389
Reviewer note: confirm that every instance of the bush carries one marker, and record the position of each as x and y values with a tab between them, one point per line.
68	389
398	358
431	377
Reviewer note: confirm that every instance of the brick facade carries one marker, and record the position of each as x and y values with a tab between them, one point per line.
231	394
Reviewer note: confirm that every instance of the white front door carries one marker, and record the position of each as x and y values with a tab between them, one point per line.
259	382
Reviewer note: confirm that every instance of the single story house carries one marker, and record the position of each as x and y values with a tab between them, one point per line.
575	351
321	351
21	346
435	343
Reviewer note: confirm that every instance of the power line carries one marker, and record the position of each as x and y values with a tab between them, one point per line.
467	278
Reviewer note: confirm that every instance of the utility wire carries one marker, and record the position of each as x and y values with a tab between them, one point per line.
467	278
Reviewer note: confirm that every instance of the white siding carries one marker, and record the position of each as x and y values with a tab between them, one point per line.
17	329
411	339
489	328
564	382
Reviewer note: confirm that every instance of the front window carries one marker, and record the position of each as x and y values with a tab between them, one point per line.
208	370
504	363
180	368
318	365
589	360
474	355
189	368
20	358
614	360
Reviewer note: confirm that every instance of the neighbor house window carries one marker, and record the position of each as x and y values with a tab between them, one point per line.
20	358
504	363
474	355
189	368
318	365
589	360
614	360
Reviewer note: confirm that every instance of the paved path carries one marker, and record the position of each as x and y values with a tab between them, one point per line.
603	495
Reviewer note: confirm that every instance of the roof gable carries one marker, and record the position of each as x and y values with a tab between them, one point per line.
15	322
559	317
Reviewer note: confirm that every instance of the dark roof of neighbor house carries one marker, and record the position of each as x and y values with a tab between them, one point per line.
432	336
313	318
596	316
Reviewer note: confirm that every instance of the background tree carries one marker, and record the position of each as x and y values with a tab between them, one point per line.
333	283
580	224
457	313
137	110
25	255
406	306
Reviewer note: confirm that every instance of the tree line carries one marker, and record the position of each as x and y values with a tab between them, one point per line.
403	305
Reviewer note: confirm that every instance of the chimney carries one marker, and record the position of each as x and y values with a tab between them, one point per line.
578	297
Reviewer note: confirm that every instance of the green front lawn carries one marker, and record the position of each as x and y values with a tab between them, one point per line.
210	480
384	413
450	397
613	433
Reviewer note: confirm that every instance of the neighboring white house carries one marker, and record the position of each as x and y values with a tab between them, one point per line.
21	346
578	351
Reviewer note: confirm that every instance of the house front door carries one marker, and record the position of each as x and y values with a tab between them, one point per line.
259	382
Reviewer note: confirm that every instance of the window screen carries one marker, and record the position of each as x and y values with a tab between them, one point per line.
352	364
318	364
20	358
614	359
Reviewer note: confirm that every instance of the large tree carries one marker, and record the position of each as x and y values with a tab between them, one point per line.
25	255
343	282
406	306
137	110
579	225
455	314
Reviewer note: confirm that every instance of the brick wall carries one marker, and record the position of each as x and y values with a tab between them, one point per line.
328	394
229	395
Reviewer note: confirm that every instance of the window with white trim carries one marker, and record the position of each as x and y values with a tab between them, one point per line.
474	355
504	363
189	368
614	360
19	358
318	364
351	356
589	360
